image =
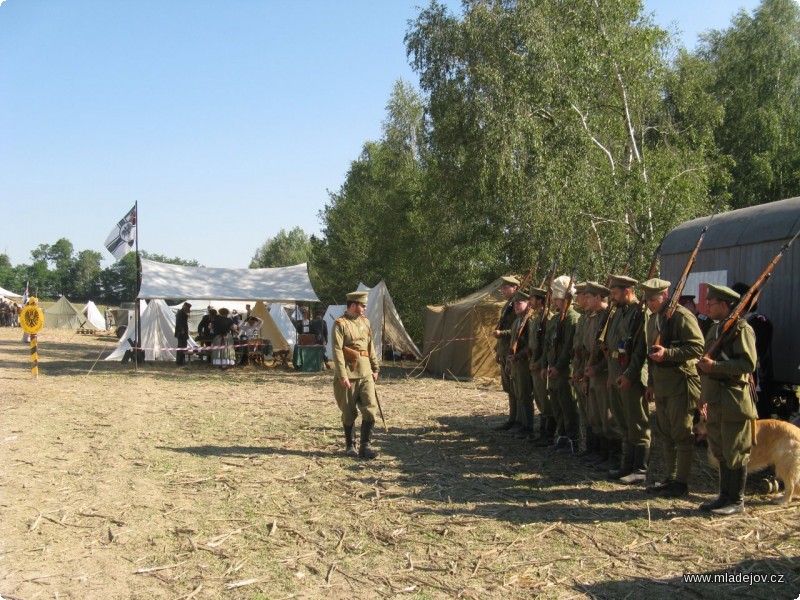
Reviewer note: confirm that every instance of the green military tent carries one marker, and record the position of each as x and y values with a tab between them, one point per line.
458	335
63	315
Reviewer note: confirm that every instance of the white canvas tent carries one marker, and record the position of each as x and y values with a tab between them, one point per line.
11	295
283	284
284	324
270	330
384	320
93	315
158	334
63	315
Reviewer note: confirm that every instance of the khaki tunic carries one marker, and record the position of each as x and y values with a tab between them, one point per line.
520	372
676	386
725	389
355	333
579	356
503	345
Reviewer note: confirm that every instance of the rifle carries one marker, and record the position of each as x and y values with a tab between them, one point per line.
562	317
527	279
744	302
676	293
637	323
543	321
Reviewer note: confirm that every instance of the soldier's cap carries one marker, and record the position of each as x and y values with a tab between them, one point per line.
653	287
621	281
596	289
559	287
581	287
721	292
520	296
360	297
538	292
509	280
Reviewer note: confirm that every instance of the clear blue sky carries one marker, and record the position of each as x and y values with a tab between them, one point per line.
226	120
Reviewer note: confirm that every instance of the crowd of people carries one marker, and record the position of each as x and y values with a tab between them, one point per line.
594	360
9	313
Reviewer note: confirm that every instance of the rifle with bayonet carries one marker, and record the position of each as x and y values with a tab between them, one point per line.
676	294
540	330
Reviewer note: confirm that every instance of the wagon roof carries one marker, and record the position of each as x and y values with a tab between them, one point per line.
763	223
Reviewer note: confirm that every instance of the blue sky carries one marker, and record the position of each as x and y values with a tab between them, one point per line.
227	121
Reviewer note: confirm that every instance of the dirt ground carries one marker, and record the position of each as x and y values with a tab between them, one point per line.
197	483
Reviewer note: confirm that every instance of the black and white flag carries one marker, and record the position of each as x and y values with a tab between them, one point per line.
121	239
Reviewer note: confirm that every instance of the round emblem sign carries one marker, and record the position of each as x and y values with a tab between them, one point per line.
32	319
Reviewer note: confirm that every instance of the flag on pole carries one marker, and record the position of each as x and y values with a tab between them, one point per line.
121	239
26	295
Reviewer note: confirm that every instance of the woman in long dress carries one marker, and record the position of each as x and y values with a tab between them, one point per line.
224	353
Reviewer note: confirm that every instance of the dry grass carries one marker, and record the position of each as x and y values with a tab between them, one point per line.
194	483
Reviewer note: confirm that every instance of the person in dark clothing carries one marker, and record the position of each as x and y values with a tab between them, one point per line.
762	327
319	328
182	333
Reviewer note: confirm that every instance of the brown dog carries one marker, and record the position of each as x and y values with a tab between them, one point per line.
777	445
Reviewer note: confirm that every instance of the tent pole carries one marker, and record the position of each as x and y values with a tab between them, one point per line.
138	287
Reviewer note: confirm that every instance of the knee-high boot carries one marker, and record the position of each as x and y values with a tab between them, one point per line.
364	449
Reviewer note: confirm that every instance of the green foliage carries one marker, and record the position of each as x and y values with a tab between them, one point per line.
171	261
756	68
283	250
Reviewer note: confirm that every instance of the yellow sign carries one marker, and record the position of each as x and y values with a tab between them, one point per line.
32	319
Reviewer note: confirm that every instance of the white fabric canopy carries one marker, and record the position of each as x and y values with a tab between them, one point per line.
5	293
282	284
158	334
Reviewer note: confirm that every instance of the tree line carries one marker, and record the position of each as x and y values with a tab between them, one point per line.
543	128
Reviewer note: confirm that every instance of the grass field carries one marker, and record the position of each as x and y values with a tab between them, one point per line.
196	483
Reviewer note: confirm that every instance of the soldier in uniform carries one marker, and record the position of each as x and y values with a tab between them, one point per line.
502	334
547	421
598	413
674	346
627	376
559	337
355	373
727	398
579	355
517	363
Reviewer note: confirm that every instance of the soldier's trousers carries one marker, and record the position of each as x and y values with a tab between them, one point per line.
566	409
360	396
629	409
523	391
729	441
599	410
508	387
673	424
540	395
582	402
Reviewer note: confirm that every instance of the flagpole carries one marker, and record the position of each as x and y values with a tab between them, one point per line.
138	286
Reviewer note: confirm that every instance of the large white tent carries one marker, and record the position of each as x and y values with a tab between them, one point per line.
92	313
11	295
158	334
283	284
385	323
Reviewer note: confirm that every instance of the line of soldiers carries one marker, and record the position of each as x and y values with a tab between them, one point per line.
596	369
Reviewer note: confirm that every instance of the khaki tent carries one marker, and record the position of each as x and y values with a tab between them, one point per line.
458	335
270	330
63	315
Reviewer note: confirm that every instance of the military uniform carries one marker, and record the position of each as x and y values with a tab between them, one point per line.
598	413
626	357
536	344
502	348
731	409
579	356
676	387
353	332
559	338
518	358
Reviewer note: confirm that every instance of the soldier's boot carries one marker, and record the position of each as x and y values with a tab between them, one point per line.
641	457
737	479
683	462
512	415
590	444
625	463
547	438
722	498
350	446
613	458
533	439
600	452
527	431
364	449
